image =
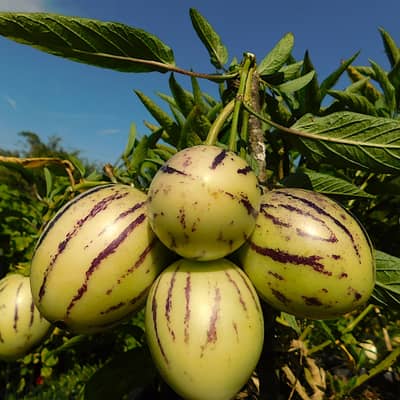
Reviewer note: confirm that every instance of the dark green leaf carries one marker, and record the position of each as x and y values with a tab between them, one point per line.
291	71
355	102
364	70
126	374
49	181
210	100
189	136
331	80
160	116
391	48
277	57
198	94
139	154
387	288
310	96
386	85
103	44
131	141
324	183
296	84
276	108
77	164
358	86
211	40
352	140
394	77
183	98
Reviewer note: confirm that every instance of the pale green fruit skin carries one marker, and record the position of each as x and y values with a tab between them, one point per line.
96	260
308	256
204	328
203	202
21	325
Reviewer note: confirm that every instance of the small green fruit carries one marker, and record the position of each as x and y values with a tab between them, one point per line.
21	325
203	202
204	328
308	256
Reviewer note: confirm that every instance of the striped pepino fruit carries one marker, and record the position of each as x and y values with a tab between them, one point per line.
204	328
21	325
308	256
203	202
96	260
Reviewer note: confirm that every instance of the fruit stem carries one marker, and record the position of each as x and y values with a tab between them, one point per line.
244	135
249	60
218	123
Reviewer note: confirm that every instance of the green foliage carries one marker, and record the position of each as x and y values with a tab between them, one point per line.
103	44
292	127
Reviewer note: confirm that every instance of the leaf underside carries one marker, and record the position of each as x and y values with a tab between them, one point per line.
351	140
104	44
387	288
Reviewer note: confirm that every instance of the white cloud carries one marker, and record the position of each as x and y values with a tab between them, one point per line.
111	131
24	5
11	102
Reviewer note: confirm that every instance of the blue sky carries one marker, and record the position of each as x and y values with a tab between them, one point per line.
91	108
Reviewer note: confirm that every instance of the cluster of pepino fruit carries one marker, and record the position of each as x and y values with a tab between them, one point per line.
198	250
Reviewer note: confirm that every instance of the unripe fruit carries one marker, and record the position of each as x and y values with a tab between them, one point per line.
204	328
96	260
203	202
21	325
308	256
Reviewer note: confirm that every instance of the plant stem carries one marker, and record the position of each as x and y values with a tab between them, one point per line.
163	66
219	123
382	366
244	75
355	321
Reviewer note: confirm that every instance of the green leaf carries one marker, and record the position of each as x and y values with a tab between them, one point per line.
103	44
364	70
139	154
49	181
355	102
189	136
387	287
125	374
386	85
296	84
291	71
183	98
160	116
358	86
278	56
324	183
77	164
394	78
211	40
198	94
131	141
331	79
351	140
391	48
290	321
309	96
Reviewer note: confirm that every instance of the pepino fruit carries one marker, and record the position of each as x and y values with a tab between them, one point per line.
21	325
203	202
308	256
96	260
204	328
